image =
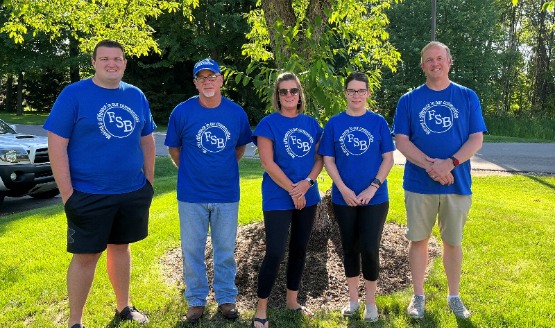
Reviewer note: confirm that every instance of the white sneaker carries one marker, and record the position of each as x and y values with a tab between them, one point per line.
416	307
350	309
371	312
457	306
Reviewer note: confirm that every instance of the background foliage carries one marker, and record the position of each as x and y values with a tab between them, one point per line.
501	48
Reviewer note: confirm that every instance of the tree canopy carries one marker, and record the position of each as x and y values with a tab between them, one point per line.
321	41
91	21
502	48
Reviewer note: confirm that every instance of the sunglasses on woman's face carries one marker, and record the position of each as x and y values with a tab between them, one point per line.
292	91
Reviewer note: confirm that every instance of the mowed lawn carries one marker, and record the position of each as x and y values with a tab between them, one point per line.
508	269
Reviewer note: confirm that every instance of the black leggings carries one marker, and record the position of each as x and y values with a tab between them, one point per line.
276	224
361	233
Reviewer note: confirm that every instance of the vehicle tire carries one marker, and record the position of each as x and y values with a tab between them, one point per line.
47	194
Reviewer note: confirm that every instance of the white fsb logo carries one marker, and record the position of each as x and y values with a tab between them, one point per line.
438	117
120	122
355	140
213	137
117	120
303	146
297	142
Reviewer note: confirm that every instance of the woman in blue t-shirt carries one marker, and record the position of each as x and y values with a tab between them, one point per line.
358	154
287	142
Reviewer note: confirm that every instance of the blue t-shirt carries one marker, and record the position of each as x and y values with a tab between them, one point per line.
208	168
357	143
104	128
438	123
294	144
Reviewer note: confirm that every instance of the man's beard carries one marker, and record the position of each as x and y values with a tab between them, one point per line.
209	94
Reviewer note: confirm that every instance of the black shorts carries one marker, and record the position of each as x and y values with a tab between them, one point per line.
94	220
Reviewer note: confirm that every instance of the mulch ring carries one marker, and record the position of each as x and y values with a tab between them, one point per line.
323	286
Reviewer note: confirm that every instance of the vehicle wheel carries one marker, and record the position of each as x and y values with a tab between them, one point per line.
46	194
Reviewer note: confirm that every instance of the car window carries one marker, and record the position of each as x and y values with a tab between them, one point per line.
5	128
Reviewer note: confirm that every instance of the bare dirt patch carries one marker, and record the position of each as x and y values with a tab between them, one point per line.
323	285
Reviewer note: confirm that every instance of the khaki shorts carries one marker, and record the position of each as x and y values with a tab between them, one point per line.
450	209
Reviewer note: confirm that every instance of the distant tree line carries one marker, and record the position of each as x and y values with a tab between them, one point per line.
502	48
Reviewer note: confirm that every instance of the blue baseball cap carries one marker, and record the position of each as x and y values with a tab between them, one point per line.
206	63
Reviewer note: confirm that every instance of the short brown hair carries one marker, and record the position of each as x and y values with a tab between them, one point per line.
108	44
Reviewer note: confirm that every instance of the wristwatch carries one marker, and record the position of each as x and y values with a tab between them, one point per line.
455	161
377	182
310	181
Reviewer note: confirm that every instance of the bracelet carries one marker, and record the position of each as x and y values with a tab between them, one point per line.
374	185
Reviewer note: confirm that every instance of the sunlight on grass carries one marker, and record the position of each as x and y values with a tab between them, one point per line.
26	118
508	270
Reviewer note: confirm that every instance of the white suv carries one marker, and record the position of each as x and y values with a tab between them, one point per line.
24	165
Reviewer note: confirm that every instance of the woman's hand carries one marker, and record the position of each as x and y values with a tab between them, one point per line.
300	202
366	195
299	189
349	196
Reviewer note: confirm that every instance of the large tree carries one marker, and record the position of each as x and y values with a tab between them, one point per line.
90	21
39	58
322	41
217	31
468	27
541	27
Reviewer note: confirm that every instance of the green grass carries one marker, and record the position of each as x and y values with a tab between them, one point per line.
529	128
508	270
26	118
490	138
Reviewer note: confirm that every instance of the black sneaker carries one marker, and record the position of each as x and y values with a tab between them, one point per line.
77	325
132	314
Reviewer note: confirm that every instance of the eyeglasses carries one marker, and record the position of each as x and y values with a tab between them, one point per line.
211	78
352	92
292	91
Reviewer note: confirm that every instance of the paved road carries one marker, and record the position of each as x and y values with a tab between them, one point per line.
509	157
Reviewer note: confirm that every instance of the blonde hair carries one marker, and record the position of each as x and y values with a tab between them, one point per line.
288	76
435	44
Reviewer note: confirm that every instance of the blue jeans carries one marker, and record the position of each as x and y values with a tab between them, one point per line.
195	220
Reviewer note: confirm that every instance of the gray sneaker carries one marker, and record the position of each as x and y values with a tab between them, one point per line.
130	313
371	313
416	307
457	306
350	309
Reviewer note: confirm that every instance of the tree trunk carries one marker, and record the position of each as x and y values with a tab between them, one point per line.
282	10
74	74
9	94
541	68
19	94
275	10
510	72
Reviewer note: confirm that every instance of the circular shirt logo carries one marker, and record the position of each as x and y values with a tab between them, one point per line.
438	117
117	120
297	142
212	138
355	140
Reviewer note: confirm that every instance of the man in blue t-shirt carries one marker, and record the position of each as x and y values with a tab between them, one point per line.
438	127
102	156
207	136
